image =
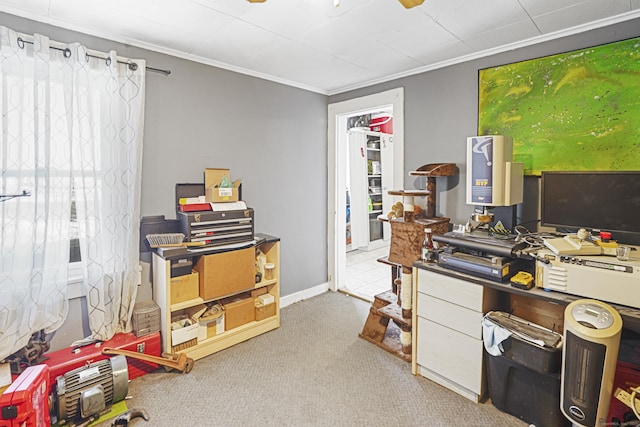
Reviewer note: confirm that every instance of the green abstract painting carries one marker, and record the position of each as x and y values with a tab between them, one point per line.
578	110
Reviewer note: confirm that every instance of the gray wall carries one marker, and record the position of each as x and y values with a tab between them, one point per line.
441	110
274	138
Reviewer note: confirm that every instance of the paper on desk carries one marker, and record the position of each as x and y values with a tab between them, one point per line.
229	206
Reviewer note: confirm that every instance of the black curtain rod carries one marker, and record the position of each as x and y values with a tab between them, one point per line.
67	53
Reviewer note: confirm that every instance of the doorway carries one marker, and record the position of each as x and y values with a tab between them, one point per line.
338	127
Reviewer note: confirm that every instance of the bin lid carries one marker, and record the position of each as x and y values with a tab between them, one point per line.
526	330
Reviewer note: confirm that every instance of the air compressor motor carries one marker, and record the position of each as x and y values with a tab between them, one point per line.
90	390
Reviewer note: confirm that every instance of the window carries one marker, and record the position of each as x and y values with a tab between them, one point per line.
71	135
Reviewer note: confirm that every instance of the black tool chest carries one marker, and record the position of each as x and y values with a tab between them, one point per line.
215	228
218	228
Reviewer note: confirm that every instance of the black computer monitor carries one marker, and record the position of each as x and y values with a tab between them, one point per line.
594	200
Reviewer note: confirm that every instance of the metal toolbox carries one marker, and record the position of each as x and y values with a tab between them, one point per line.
65	360
146	318
218	228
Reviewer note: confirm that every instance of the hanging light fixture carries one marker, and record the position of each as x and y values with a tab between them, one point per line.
411	3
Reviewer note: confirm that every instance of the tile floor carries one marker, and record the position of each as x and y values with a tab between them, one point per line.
366	276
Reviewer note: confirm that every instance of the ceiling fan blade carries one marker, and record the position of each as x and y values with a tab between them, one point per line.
256	1
411	3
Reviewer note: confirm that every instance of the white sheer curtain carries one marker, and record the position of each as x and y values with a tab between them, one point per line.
71	125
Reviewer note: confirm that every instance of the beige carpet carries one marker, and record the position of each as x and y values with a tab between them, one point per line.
312	371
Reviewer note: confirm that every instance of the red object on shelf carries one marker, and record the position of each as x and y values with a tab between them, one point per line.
62	361
381	123
26	401
195	207
605	236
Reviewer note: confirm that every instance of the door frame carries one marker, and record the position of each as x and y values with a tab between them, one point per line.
336	166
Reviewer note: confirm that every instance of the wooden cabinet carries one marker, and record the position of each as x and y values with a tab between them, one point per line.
448	331
204	347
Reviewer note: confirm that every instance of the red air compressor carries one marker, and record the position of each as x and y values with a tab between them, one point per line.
26	401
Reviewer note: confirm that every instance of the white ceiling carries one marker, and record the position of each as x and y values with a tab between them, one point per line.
313	45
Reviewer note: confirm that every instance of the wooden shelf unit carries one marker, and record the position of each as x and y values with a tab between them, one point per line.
162	291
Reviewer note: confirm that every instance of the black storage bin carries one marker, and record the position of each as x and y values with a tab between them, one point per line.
540	359
532	396
524	380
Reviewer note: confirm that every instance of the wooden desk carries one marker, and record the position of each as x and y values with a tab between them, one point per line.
630	315
448	307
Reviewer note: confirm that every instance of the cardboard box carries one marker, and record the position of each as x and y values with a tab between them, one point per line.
265	311
226	273
213	176
184	288
218	194
260	291
213	192
544	313
195	312
211	326
238	310
181	333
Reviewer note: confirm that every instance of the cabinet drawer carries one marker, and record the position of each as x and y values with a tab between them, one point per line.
450	354
451	315
447	288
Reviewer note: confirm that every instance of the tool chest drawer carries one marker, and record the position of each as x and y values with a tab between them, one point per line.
218	228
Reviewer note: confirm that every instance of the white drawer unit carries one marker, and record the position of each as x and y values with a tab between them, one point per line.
451	315
448	341
450	357
451	289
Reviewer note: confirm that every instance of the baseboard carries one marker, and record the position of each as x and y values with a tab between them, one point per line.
305	294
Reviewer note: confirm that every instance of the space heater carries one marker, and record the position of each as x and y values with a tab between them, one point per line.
592	332
91	390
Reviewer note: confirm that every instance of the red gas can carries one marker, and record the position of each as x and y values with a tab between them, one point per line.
26	402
